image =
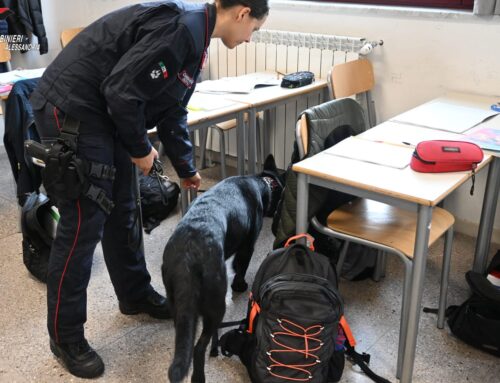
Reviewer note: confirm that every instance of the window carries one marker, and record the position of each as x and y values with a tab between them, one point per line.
452	4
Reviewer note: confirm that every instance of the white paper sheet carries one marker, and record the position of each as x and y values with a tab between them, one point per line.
379	153
444	115
399	134
20	74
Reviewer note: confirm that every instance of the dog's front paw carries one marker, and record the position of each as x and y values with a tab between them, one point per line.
239	285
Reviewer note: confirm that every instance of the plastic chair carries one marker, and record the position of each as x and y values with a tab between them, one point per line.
386	228
354	78
68	34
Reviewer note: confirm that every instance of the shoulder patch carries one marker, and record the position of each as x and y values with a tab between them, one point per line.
186	79
158	71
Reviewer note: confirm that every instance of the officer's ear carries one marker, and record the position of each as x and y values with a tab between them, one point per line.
244	11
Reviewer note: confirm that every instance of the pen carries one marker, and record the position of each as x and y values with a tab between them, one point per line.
394	143
278	73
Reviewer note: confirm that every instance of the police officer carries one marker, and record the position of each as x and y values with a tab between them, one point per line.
127	72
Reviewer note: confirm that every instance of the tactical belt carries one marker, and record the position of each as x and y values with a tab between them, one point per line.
72	173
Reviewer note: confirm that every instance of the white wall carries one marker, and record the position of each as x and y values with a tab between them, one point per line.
425	54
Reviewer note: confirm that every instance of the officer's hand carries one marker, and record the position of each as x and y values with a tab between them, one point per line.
146	163
191	182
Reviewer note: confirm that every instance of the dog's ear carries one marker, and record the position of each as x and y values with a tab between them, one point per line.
270	164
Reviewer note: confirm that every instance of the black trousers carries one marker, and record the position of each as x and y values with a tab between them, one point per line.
83	224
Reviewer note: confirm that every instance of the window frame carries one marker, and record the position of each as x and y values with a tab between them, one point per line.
448	4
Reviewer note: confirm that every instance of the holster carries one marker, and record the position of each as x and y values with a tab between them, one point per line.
67	177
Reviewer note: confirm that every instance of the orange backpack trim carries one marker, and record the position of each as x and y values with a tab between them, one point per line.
347	331
253	313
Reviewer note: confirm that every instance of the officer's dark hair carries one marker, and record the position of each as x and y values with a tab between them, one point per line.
258	8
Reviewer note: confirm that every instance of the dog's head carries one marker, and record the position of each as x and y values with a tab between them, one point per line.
275	181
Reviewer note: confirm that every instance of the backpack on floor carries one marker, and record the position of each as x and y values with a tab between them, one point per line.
39	219
477	320
295	329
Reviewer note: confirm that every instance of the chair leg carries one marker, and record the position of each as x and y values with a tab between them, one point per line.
342	255
445	273
403	325
222	149
379	264
384	264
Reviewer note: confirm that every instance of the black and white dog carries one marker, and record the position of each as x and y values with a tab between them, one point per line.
223	221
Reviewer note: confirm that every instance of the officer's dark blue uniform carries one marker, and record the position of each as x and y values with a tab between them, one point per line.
130	71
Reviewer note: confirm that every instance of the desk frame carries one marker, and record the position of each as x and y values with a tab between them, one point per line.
490	201
419	259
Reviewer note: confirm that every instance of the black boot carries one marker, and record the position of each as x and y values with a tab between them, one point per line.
78	358
152	304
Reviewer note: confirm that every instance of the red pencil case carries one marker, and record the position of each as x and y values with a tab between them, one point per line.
440	156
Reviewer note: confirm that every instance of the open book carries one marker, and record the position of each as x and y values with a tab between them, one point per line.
239	84
201	102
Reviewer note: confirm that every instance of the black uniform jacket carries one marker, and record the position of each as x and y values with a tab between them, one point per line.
138	67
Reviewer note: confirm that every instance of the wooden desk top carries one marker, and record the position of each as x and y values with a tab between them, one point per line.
423	188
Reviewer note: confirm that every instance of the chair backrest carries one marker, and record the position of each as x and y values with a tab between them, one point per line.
5	55
354	78
328	123
4	52
68	34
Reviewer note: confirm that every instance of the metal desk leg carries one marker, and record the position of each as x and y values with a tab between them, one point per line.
302	203
252	147
240	143
417	286
203	135
487	217
266	134
184	201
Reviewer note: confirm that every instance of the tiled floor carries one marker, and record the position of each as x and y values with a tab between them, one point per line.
139	349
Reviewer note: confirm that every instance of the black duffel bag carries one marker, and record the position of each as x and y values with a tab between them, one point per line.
159	197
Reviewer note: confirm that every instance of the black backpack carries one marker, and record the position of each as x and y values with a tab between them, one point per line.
159	197
294	329
477	320
38	225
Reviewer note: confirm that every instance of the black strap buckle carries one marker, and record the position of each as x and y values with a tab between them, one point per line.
69	132
98	195
101	171
68	139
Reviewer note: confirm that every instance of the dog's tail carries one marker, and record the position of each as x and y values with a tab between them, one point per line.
186	296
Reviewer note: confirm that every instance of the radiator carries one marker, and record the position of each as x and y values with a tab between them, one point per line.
283	52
